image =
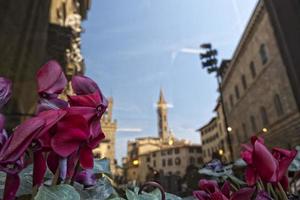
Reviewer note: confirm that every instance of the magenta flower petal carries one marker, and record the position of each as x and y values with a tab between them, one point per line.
83	85
247	157
12	184
250	176
262	195
226	189
53	161
243	194
51	104
39	168
285	158
264	162
86	158
3	134
71	132
20	140
72	161
86	178
96	134
51	79
284	181
51	117
89	100
209	186
5	91
218	196
201	195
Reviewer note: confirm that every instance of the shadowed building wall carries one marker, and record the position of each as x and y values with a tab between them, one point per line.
31	33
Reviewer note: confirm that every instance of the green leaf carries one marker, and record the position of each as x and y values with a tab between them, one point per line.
102	166
189	198
57	192
101	191
169	196
131	195
236	180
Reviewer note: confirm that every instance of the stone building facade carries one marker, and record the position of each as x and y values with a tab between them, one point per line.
31	33
147	154
171	160
258	92
214	139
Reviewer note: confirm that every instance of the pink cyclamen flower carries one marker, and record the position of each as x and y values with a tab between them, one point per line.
260	162
72	135
51	82
3	134
51	79
5	91
86	177
209	190
91	104
284	158
264	165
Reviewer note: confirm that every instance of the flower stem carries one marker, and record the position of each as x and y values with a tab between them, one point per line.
56	177
272	191
261	184
75	172
233	187
282	191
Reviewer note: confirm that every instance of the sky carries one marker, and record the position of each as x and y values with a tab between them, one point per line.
132	48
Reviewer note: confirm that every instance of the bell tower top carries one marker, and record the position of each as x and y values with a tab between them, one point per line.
162	111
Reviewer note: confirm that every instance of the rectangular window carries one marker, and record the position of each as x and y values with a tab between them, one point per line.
252	69
264	116
244	82
237	92
170	162
177	151
191	150
231	101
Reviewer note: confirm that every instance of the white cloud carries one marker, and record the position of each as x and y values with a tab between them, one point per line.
169	105
191	51
132	130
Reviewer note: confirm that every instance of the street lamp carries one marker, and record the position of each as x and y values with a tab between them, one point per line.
135	162
229	129
221	152
210	63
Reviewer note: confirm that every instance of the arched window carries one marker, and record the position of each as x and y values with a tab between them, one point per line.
264	116
278	105
263	53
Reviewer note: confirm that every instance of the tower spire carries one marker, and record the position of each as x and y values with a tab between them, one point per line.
162	111
161	97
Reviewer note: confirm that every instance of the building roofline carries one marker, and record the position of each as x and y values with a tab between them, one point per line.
245	36
171	147
207	124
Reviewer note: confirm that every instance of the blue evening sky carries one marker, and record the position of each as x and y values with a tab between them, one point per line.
134	47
